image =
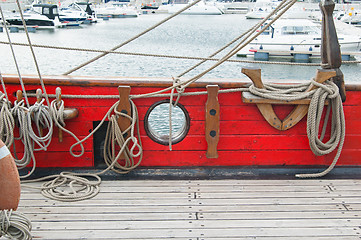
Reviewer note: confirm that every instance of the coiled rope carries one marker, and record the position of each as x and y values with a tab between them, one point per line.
328	91
80	187
14	225
7	122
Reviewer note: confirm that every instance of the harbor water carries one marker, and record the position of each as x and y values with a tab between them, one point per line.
194	36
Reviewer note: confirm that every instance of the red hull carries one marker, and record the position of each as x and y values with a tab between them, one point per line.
246	139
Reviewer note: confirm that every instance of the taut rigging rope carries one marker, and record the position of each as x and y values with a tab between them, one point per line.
135	37
170	56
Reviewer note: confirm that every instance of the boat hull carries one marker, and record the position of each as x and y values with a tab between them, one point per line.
246	139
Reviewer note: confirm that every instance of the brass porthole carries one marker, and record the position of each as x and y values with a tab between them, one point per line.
156	122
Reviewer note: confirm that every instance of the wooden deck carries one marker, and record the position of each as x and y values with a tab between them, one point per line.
203	209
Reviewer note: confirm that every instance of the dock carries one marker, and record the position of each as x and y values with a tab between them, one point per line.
203	210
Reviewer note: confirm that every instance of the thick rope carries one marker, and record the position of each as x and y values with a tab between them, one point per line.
19	112
80	187
7	122
14	225
328	91
40	115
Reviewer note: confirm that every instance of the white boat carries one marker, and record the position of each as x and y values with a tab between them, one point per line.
237	7
116	10
289	36
89	9
72	14
200	8
262	9
39	16
350	16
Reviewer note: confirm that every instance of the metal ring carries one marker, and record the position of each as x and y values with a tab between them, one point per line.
164	139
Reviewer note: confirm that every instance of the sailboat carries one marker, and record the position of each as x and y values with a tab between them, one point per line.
96	122
235	133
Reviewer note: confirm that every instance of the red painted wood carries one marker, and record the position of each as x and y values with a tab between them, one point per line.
246	139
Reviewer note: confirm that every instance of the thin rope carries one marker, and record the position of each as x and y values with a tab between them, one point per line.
14	225
133	38
14	57
33	53
169	56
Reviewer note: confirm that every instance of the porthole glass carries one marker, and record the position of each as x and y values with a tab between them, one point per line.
156	122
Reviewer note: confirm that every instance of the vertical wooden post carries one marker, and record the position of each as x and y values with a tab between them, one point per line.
38	100
19	95
330	48
212	121
124	107
58	101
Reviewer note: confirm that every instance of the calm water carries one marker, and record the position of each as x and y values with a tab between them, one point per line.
184	35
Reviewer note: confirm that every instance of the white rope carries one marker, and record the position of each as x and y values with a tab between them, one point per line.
40	115
14	225
7	122
80	187
19	112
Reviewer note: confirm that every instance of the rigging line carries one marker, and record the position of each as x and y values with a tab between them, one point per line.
167	56
241	45
256	26
4	88
14	57
33	53
133	38
230	54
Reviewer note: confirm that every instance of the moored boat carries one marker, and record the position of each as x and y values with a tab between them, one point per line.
41	16
116	10
201	8
287	37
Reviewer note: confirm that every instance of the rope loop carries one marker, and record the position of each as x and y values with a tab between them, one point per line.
14	225
7	122
80	186
40	115
122	160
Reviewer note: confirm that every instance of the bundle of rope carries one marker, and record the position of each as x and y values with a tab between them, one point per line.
7	122
328	91
31	139
81	187
14	225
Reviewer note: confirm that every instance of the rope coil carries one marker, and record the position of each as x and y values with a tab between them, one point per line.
328	91
7	122
14	225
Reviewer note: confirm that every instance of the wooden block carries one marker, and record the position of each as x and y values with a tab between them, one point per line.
124	107
212	121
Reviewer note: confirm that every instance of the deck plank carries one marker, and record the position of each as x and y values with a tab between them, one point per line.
202	210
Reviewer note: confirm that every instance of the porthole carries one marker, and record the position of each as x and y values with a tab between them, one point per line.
156	122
